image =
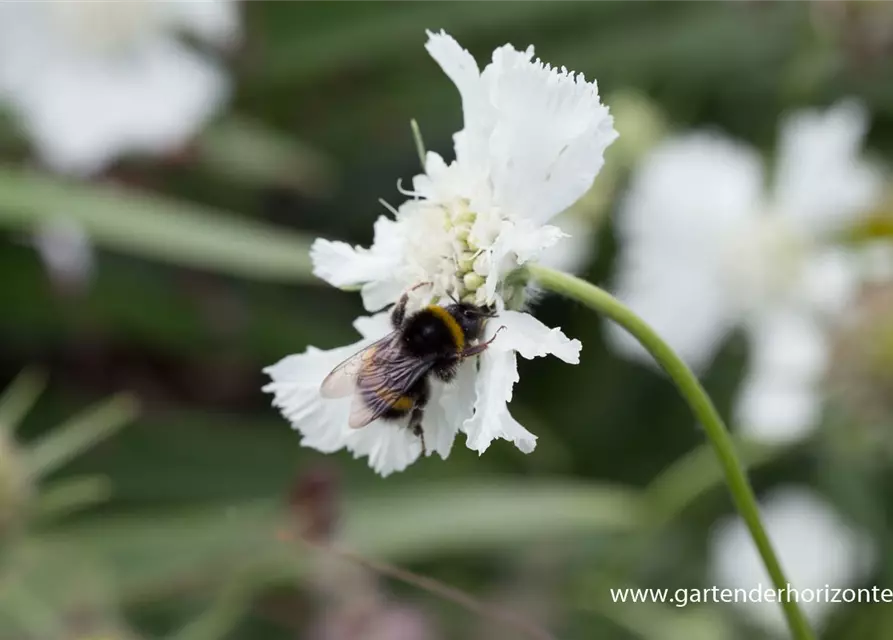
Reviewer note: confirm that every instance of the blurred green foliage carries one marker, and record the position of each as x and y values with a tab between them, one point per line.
203	279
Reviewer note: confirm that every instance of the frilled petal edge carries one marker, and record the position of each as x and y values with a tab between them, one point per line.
374	270
498	372
323	422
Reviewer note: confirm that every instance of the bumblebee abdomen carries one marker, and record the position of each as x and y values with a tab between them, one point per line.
402	403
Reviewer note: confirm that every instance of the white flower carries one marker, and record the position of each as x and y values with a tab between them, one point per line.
876	261
576	251
815	546
65	250
532	144
90	81
704	249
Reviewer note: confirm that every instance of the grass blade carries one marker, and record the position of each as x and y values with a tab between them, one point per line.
156	227
19	398
79	434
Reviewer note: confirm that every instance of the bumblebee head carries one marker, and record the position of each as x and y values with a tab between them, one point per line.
471	318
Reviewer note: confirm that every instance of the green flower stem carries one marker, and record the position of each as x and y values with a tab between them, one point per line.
701	406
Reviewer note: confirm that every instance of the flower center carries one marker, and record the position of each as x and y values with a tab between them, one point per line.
451	246
764	261
103	27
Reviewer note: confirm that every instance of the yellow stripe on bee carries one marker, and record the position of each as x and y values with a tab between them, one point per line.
395	400
450	322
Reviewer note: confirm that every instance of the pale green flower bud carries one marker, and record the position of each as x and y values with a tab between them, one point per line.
472	281
466	261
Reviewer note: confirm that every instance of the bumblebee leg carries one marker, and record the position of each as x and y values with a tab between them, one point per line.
447	371
479	348
398	313
415	424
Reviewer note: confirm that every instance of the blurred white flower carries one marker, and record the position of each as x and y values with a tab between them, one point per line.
876	261
66	252
90	81
705	249
532	143
640	125
815	546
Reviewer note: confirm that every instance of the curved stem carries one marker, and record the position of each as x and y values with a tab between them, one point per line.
704	411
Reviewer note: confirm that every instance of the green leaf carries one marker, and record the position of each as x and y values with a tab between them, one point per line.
458	517
653	621
184	549
200	548
229	605
70	495
156	227
79	434
19	398
25	614
697	472
397	30
248	152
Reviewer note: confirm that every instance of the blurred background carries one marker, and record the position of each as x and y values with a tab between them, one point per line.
147	487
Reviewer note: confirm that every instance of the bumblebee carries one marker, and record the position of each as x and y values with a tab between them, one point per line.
389	379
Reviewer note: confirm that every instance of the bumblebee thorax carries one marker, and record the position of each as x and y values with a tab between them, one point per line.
432	331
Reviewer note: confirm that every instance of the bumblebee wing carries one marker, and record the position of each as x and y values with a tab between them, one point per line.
342	381
383	384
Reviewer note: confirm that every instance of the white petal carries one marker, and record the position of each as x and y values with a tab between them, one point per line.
498	374
533	137
83	112
529	242
496	378
66	251
549	136
516	244
379	294
344	266
815	546
777	412
450	406
875	261
831	281
373	327
780	401
295	382
690	192
685	304
323	423
531	338
687	199
788	344
822	181
441	182
389	446
215	21
461	68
